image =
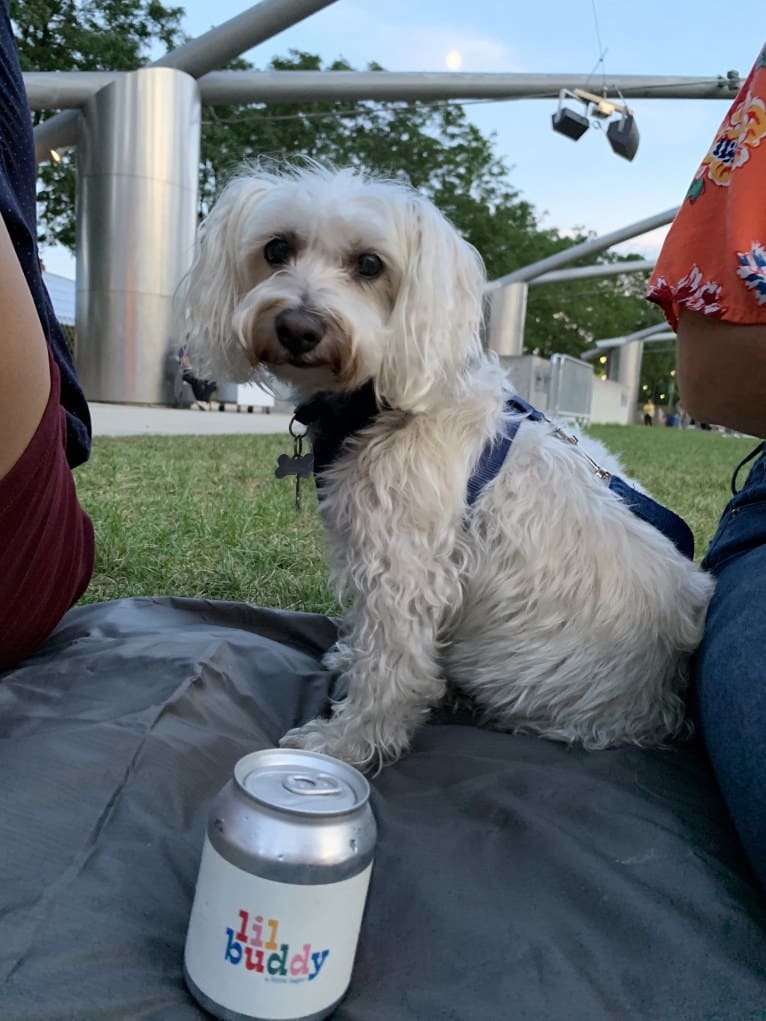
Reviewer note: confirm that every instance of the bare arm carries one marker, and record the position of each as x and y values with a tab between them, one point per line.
722	372
25	379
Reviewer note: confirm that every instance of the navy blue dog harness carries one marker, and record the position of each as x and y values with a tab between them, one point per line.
333	418
496	450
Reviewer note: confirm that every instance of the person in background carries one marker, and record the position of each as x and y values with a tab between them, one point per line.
46	539
710	281
202	389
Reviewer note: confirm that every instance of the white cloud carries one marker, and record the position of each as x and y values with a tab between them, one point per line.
648	244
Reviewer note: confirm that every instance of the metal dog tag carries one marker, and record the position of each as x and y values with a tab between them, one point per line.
300	465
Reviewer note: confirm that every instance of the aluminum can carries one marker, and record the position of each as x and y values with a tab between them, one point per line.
281	888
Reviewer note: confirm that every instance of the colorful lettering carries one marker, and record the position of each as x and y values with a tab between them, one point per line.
277	963
299	965
256	938
243	920
318	960
304	965
273	925
233	949
254	965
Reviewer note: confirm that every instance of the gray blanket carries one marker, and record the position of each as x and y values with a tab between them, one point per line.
514	879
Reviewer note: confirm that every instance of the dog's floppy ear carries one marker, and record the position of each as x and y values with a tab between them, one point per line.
211	290
437	314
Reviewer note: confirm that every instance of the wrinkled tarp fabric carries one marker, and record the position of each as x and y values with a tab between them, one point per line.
515	878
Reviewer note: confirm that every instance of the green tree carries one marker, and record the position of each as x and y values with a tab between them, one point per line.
658	374
84	35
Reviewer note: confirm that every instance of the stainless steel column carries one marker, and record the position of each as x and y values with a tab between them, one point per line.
508	313
138	159
628	368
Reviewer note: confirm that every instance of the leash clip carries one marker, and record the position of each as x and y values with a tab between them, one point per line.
598	471
297	436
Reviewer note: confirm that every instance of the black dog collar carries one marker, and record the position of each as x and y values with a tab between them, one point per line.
332	418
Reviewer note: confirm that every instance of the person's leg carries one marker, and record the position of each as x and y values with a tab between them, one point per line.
24	371
730	668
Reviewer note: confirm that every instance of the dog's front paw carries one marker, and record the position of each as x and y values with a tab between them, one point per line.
351	744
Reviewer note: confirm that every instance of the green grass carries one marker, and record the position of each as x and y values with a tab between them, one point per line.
204	516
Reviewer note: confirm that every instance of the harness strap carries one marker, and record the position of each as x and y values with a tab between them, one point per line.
516	411
663	518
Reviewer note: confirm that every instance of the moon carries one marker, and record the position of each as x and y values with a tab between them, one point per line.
453	60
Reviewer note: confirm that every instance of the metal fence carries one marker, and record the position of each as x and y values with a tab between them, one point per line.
562	387
571	388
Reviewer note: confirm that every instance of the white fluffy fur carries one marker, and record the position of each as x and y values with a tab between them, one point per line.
549	603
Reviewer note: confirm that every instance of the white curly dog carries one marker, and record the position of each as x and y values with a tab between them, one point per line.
543	597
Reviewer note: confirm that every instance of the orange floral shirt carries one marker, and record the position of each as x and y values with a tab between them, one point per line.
714	257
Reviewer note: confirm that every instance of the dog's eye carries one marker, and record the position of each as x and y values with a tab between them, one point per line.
277	251
369	265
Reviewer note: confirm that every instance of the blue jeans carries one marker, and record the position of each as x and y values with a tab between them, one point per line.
730	668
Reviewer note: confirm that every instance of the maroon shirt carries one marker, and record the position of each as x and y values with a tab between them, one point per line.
46	539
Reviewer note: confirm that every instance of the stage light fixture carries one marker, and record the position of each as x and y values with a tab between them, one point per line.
568	122
623	136
622	133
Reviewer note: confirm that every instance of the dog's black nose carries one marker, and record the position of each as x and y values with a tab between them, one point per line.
299	330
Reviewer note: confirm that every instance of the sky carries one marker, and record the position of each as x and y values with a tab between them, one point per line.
572	185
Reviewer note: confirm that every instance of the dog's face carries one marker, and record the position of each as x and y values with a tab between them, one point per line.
328	280
321	275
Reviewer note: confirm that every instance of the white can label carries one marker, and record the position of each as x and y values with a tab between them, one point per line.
272	950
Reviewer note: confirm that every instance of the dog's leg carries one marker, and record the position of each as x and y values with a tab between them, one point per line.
390	659
394	522
392	683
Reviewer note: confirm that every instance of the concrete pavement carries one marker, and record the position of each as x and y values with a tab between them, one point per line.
141	420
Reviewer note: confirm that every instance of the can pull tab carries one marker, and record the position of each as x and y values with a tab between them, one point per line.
312	784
